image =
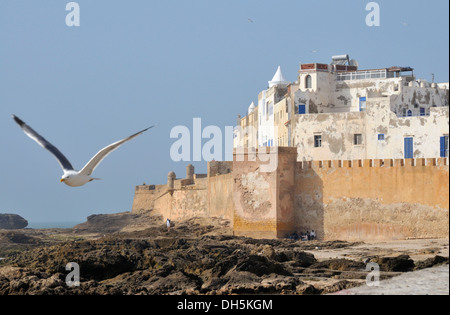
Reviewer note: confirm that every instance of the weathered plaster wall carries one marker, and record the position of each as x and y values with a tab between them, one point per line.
338	130
263	201
331	96
255	199
319	98
373	199
414	95
426	131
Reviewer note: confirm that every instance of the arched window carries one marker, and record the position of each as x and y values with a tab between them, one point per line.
308	82
409	113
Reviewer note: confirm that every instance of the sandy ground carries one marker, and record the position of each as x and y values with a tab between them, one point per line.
417	249
433	281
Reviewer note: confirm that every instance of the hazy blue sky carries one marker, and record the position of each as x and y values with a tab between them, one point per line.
138	62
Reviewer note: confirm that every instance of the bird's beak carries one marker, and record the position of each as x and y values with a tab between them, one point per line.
62	179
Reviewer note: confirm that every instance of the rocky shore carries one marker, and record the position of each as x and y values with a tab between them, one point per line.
12	222
127	254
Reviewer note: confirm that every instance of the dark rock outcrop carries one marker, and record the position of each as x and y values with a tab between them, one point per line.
402	263
12	222
432	262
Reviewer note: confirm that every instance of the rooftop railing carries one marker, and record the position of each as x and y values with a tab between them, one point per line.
362	75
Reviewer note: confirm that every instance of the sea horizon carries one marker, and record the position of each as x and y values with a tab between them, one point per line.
53	224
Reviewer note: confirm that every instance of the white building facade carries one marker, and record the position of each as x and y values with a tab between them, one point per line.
337	112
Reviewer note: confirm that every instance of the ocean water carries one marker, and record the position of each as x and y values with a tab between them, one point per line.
53	225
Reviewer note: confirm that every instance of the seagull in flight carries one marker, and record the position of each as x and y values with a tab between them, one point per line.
72	177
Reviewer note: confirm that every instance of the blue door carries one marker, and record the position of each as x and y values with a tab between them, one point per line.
409	148
444	146
301	109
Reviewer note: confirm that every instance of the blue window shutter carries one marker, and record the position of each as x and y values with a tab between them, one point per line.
443	153
302	109
409	149
422	111
362	104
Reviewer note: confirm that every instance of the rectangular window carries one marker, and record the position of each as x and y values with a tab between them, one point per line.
381	137
409	148
318	141
302	109
444	147
422	111
358	139
362	104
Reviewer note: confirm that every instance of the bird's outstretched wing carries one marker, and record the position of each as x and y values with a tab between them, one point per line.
89	168
62	160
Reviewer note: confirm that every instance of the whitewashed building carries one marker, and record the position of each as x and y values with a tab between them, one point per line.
336	111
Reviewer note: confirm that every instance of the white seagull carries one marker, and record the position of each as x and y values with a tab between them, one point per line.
71	177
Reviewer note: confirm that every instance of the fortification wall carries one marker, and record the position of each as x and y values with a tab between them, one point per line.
182	204
373	199
347	200
197	195
144	197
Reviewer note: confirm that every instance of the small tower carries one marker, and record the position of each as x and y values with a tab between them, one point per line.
171	181
190	171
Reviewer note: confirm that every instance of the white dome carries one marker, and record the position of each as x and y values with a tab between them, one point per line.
278	79
251	108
